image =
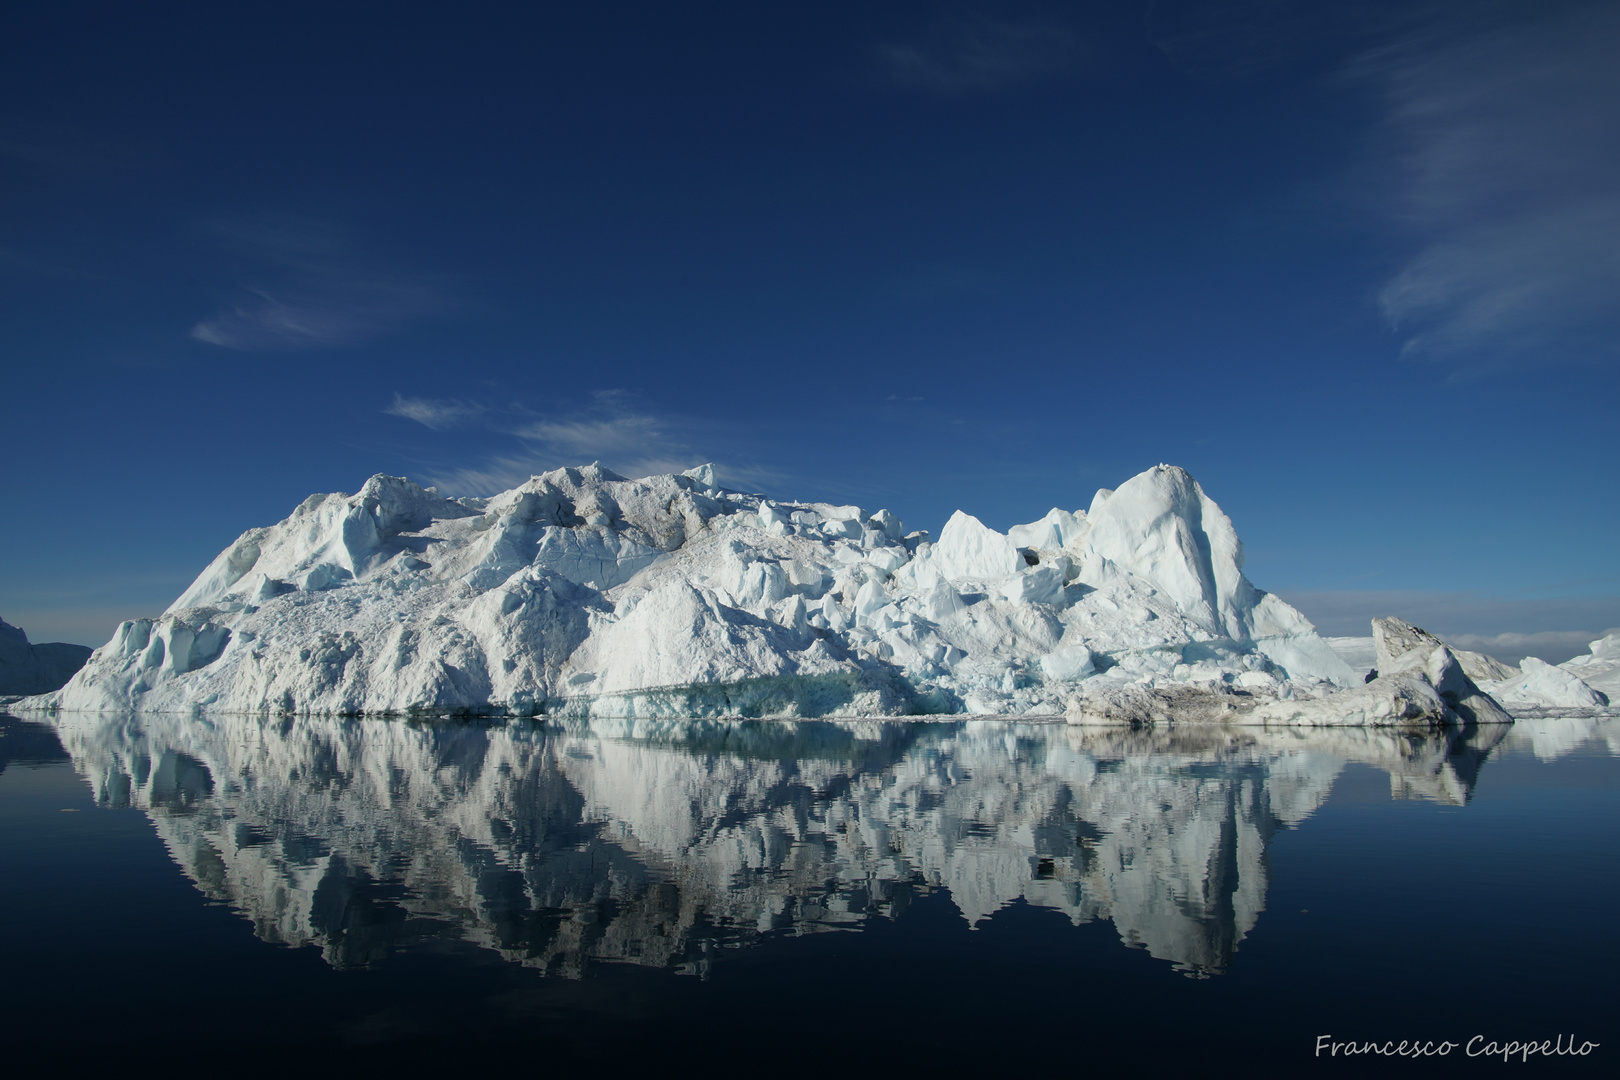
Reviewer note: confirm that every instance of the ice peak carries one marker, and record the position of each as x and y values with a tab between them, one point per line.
702	474
1160	526
580	591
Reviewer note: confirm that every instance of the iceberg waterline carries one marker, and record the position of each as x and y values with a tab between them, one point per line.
584	593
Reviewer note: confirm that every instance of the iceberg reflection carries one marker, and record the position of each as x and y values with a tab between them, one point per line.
655	842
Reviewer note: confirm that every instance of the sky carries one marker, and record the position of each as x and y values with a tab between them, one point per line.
1353	264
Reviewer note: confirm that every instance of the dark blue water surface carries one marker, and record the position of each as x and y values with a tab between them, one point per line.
328	896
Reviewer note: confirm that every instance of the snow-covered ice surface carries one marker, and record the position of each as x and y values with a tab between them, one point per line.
1598	669
557	843
583	593
1581	686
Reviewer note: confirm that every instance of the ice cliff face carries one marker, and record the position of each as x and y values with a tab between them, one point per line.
584	593
558	843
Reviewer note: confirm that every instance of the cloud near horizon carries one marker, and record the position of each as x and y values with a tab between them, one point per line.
1540	644
1552	629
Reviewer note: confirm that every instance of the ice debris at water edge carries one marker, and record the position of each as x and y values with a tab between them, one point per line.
582	593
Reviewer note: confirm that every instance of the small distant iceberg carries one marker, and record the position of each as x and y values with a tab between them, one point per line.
27	669
1584	685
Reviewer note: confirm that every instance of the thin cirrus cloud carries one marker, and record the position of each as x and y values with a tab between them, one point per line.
496	474
606	430
628	442
1508	178
965	53
621	436
305	287
437	414
304	319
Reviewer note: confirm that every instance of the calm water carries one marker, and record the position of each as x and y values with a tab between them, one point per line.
938	898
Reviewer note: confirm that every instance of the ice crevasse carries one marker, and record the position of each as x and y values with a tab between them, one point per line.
584	593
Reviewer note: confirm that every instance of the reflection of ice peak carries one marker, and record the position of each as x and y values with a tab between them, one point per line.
1552	737
556	845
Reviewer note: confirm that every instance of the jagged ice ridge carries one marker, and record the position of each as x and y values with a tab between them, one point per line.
584	593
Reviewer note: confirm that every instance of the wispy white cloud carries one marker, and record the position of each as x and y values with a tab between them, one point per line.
614	430
610	427
627	435
305	287
305	319
1514	647
496	474
607	428
437	414
1509	181
964	53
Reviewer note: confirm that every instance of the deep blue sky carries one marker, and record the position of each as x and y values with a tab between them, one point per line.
1355	265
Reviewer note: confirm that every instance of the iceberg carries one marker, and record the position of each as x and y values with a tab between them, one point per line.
1599	669
35	669
582	593
1542	686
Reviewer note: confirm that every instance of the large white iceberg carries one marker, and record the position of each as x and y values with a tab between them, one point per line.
583	593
